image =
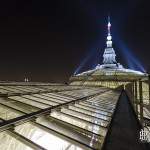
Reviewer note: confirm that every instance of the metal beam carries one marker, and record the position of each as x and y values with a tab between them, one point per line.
33	115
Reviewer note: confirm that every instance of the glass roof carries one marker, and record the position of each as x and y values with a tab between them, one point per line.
73	117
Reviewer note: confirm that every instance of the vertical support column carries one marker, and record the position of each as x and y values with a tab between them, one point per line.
132	93
149	88
136	101
141	101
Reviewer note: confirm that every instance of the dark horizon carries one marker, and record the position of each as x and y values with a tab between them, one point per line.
47	40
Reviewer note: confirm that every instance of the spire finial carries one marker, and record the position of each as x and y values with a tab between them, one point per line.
108	25
109	38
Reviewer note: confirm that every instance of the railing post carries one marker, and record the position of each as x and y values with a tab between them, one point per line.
132	93
135	96
149	88
141	101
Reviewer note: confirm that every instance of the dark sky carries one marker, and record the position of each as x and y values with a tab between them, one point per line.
46	40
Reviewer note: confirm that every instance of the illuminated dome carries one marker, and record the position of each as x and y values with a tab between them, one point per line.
110	69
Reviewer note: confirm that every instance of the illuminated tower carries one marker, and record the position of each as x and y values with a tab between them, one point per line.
109	56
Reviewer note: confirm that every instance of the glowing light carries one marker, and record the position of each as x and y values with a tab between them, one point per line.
131	60
109	37
90	61
81	65
109	25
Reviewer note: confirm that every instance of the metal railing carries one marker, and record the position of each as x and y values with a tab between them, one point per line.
139	94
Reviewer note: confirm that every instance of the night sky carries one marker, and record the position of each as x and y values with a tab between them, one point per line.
48	40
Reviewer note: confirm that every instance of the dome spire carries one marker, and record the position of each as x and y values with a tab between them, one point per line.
109	56
108	25
109	38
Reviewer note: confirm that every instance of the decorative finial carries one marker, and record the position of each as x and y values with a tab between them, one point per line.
109	38
108	25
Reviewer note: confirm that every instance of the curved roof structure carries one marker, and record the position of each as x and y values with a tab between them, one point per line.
110	69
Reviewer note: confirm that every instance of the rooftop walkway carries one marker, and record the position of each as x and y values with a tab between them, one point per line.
124	129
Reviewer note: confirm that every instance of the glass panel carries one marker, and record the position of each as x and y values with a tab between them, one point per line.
94	110
43	138
97	108
57	101
7	142
10	89
4	91
30	102
6	113
85	117
59	96
19	106
89	112
32	97
93	128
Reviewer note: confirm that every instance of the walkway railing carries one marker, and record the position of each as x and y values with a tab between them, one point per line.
139	94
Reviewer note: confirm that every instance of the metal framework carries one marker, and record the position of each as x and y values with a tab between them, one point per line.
77	115
139	93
